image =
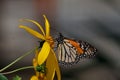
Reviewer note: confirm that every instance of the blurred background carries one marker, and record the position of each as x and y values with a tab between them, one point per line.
94	21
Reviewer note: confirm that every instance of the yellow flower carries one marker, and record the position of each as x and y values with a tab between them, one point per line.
40	73
46	54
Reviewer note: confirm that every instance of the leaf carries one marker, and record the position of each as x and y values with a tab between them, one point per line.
17	78
2	77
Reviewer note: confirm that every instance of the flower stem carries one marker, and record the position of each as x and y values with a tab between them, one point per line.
23	68
16	60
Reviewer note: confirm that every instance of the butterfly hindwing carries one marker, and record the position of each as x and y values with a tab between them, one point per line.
89	50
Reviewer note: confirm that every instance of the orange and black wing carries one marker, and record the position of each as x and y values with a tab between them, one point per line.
71	51
89	50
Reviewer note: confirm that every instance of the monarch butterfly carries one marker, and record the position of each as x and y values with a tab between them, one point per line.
71	51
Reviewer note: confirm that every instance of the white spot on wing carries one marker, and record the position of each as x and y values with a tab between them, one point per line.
63	52
59	52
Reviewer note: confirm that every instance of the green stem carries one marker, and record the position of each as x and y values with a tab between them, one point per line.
19	58
19	69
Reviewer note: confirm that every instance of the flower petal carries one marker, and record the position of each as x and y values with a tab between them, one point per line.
36	23
33	32
36	53
43	54
55	62
47	26
34	63
34	78
50	67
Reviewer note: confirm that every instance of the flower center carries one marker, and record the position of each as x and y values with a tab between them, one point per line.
50	41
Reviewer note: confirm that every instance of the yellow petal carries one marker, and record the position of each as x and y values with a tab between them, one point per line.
36	53
50	67
43	54
33	32
47	26
42	76
55	62
35	63
34	78
36	23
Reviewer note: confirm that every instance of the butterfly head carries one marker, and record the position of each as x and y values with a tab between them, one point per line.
60	38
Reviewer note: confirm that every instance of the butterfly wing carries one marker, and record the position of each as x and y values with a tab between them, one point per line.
89	50
71	51
66	53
